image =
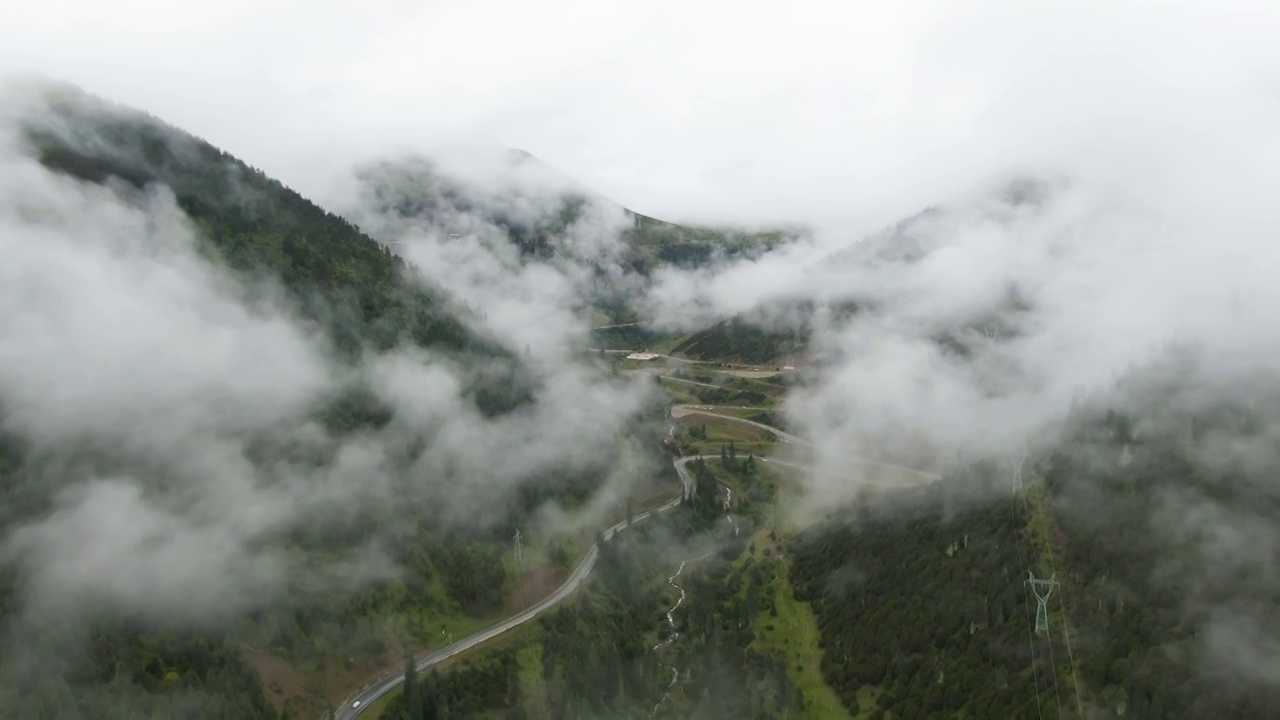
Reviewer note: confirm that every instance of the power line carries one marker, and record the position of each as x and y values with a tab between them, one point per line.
1066	633
1042	624
1035	585
1053	666
1042	616
1017	471
1026	600
1042	621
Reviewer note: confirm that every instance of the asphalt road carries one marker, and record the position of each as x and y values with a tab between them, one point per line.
353	707
683	410
686	410
755	370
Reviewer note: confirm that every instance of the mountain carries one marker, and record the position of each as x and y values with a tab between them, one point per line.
339	276
330	528
538	207
849	281
925	609
756	337
548	217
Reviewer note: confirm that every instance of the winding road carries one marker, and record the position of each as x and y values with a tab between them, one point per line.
679	411
747	371
354	706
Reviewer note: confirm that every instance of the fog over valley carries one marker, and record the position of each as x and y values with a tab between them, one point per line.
716	360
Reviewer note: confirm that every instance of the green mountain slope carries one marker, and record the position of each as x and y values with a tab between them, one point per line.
747	338
609	251
659	242
339	277
111	662
1158	613
537	209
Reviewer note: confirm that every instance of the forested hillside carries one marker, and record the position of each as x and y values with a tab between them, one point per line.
587	659
748	340
538	211
610	251
414	568
338	276
925	607
656	242
610	653
923	602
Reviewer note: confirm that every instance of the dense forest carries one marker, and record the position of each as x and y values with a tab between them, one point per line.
100	663
654	242
589	658
748	340
338	276
543	221
131	670
1153	520
732	597
609	653
625	337
924	604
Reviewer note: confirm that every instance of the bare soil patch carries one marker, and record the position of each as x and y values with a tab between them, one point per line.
534	585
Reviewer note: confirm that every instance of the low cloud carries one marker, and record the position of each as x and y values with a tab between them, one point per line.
972	326
168	407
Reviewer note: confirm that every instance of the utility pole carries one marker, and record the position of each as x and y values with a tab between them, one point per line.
1042	601
517	539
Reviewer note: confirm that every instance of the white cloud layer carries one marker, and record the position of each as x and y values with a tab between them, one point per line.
810	111
1154	126
149	385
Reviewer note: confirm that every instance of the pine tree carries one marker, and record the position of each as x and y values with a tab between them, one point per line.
412	691
431	696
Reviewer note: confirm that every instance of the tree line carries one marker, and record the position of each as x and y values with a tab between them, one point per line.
922	601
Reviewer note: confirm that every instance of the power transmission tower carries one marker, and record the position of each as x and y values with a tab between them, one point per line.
517	539
1042	601
1017	462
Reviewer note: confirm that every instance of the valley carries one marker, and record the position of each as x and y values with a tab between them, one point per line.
481	442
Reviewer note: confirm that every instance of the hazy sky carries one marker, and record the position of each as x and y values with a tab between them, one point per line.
1160	120
823	112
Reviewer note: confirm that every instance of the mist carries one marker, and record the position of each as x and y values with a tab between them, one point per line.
1115	258
1017	211
149	382
979	319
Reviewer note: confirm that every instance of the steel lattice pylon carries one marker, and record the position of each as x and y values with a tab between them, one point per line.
1042	601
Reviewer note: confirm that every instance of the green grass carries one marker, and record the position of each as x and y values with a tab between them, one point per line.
746	438
666	345
623	364
527	638
746	413
379	706
681	392
795	633
533	689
